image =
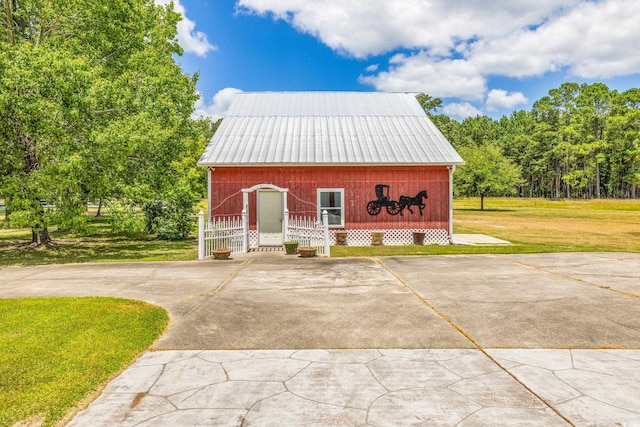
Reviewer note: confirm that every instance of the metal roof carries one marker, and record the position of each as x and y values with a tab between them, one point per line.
327	128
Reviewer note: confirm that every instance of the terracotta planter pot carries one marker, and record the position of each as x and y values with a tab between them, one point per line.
291	248
221	253
418	238
341	238
306	251
377	238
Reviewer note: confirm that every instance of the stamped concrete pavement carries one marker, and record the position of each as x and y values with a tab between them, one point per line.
468	340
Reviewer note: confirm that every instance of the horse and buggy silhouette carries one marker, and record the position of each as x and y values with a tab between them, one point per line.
394	207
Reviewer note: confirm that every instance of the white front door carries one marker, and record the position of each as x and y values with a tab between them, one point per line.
270	212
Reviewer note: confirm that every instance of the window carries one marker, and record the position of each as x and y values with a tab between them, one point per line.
332	200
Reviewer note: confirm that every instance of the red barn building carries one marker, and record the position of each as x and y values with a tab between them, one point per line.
374	161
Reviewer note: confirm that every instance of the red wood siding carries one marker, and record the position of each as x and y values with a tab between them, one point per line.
359	188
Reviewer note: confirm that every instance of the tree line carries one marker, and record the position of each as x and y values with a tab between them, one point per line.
94	107
579	141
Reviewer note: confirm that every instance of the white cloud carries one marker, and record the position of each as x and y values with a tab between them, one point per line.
219	104
191	41
451	48
498	99
371	68
443	78
591	40
461	110
369	27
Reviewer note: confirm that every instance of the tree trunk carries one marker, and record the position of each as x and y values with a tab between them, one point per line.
8	11
40	237
597	180
482	202
633	182
7	212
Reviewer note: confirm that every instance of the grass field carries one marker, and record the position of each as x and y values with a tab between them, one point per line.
96	244
55	352
532	225
608	225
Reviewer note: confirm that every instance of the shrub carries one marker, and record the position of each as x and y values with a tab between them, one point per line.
171	217
125	219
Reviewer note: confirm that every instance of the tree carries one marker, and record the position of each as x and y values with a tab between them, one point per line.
92	105
450	128
486	173
428	103
623	136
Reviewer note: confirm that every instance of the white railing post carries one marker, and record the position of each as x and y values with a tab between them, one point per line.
245	231
201	235
452	169
325	223
285	225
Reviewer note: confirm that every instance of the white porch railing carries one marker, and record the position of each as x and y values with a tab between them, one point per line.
233	233
309	232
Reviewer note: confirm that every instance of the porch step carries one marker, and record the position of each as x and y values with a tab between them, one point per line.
266	249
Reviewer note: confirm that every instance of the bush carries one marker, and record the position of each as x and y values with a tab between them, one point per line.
125	219
170	218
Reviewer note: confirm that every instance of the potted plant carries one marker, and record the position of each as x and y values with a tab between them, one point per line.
291	247
307	251
222	249
221	253
377	238
341	238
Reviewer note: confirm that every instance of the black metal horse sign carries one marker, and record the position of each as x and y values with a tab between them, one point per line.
374	207
407	202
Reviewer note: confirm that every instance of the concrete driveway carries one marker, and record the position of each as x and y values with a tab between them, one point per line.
451	340
273	301
532	301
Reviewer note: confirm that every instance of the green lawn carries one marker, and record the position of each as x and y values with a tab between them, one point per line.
95	244
533	226
55	352
570	225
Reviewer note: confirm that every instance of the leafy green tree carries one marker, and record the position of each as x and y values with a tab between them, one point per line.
519	145
486	173
93	106
450	128
480	130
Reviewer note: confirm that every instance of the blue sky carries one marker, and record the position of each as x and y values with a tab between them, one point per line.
480	57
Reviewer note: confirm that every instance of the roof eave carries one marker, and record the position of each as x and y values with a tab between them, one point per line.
257	164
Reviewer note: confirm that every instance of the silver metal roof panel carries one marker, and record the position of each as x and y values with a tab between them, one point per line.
327	128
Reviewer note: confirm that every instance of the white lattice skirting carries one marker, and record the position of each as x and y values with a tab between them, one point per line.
253	238
394	237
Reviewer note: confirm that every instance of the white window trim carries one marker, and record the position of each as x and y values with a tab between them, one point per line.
342	207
